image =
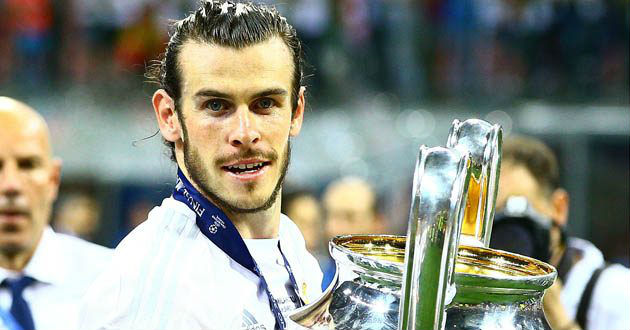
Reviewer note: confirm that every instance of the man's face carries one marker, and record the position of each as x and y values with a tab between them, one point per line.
349	210
28	183
517	180
236	121
305	212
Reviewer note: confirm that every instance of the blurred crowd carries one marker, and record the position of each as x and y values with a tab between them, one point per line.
420	50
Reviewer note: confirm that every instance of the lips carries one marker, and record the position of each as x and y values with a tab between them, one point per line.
13	214
248	169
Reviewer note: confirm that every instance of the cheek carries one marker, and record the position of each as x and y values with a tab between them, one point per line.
277	125
41	189
206	136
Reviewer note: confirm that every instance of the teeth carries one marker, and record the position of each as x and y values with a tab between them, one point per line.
245	166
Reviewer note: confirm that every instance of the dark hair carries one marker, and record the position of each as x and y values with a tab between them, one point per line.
537	157
229	24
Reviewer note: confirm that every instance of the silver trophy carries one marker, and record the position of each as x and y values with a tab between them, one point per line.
424	280
482	141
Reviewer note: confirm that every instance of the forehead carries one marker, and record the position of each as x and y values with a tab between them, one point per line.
306	207
22	136
350	198
304	203
267	64
515	179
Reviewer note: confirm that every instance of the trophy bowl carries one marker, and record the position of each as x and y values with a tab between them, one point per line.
494	289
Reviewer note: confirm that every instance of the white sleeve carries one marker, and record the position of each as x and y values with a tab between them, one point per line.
610	303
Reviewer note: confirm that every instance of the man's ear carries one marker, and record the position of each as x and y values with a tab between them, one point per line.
164	107
560	203
298	115
55	177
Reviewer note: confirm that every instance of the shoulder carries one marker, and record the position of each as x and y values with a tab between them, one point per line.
83	248
170	218
147	266
610	300
613	278
580	273
589	250
83	260
151	247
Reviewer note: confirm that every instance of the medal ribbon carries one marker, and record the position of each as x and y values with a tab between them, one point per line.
218	228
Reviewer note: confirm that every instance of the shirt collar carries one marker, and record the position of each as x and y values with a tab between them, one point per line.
48	263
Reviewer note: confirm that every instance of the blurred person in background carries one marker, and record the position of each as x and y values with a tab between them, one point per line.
137	213
532	214
29	26
304	209
140	40
78	215
218	253
43	274
351	207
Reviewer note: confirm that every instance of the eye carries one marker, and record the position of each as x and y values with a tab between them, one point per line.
265	103
215	105
28	163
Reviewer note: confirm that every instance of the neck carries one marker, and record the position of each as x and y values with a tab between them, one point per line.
263	224
557	246
556	255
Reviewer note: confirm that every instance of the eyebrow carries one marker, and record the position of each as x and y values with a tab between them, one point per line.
271	91
214	93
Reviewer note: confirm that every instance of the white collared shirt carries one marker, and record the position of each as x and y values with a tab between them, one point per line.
63	267
610	302
167	275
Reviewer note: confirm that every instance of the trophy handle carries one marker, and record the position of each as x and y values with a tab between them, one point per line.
440	186
482	141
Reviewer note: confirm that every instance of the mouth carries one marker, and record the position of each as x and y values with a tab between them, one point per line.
11	215
247	169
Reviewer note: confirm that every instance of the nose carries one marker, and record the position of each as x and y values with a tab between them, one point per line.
10	180
245	132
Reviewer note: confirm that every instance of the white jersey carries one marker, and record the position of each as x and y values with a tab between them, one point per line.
610	302
167	275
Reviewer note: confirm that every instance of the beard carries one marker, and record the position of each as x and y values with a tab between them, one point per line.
11	250
198	174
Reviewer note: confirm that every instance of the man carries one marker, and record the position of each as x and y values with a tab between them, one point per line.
78	215
218	254
532	212
351	208
43	274
304	209
350	205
